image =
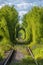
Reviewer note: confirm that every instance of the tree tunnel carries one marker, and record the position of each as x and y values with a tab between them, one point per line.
20	33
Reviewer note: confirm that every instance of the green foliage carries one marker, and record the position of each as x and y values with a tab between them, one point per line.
21	34
8	20
3	28
5	45
33	22
1	55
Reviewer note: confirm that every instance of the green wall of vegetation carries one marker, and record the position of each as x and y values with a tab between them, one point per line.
33	22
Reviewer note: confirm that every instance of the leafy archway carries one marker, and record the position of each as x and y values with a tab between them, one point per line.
21	33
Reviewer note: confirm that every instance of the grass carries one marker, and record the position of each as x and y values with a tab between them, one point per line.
37	50
21	48
26	61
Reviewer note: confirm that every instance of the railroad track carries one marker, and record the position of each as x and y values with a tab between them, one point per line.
32	55
11	54
8	59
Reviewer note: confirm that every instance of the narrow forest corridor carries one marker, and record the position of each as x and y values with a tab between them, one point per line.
21	32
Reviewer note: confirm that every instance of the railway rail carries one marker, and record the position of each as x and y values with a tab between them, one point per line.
8	59
32	55
11	54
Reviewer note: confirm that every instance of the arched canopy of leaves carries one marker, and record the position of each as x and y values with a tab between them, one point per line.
20	33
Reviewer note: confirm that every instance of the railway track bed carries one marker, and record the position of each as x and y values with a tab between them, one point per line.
8	56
